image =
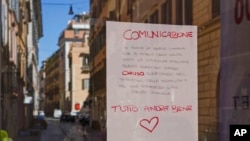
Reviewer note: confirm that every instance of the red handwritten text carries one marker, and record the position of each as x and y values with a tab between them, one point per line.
125	108
135	35
176	109
156	108
133	73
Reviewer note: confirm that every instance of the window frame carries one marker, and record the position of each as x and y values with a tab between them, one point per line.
85	84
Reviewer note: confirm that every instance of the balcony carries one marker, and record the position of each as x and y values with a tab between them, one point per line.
85	68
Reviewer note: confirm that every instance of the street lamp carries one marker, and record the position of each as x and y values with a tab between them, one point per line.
71	12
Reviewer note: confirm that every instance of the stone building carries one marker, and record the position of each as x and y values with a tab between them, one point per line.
67	70
73	72
21	30
42	84
52	81
34	34
79	76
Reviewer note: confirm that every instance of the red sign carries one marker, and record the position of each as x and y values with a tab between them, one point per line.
77	106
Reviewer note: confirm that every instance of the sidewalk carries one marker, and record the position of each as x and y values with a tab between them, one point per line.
95	135
29	135
27	138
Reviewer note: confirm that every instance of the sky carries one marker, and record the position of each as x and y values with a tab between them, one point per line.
54	19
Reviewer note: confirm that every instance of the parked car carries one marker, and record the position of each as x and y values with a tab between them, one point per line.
67	117
57	113
74	115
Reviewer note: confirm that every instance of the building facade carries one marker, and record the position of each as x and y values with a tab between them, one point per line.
203	13
15	22
72	40
79	76
67	70
42	84
52	81
34	34
11	92
207	17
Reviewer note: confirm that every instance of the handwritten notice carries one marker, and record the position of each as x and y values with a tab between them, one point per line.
151	82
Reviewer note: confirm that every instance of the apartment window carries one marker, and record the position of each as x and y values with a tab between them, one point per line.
19	60
69	86
76	32
98	10
103	3
14	5
112	15
184	12
85	60
62	55
188	12
166	12
70	62
154	18
94	12
86	39
118	7
129	7
103	36
27	4
215	8
85	84
179	12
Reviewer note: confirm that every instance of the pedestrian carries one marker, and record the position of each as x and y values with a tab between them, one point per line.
84	131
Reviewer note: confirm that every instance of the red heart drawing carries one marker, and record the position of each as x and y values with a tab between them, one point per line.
149	125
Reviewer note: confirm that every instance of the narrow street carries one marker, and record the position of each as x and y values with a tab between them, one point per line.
56	131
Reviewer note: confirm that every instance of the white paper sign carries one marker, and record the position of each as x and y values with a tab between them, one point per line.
151	82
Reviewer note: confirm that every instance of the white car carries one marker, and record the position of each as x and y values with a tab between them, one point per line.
57	113
73	113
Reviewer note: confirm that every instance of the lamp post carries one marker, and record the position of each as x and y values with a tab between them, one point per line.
71	12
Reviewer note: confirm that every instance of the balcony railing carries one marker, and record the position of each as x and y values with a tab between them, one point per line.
85	68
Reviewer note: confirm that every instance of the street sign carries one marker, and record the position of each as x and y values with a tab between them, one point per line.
28	99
